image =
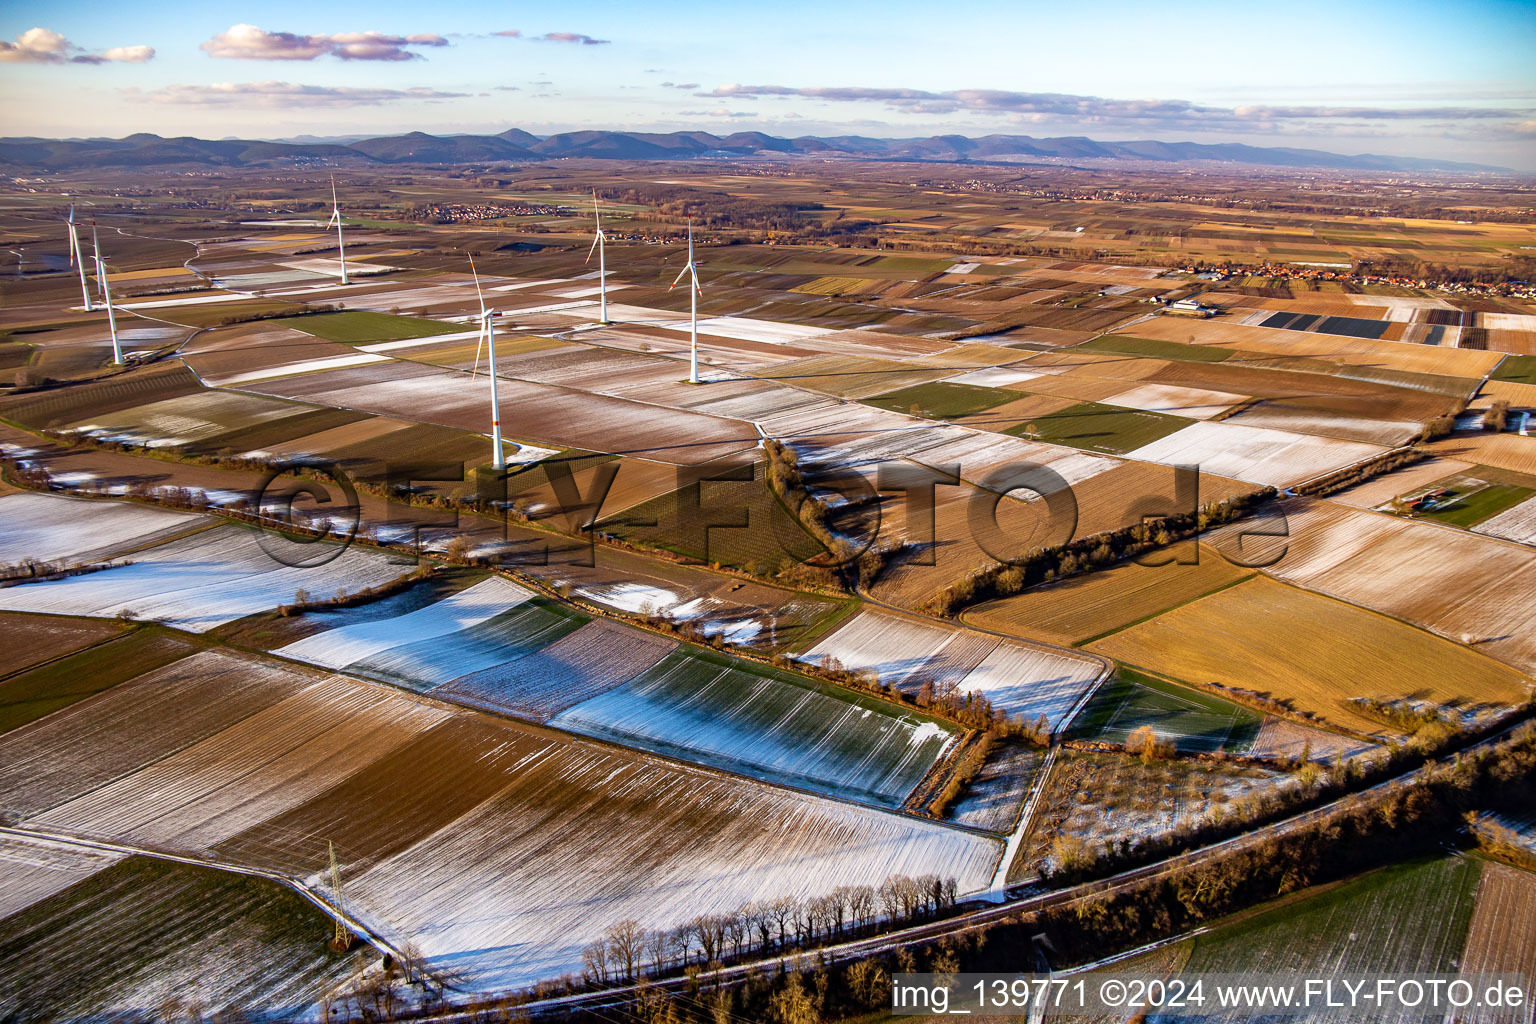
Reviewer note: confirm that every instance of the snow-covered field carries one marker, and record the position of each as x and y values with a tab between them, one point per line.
995	377
799	734
289	369
1517	524
31	870
256	768
892	646
582	837
201	581
535	847
340	647
1466	587
1193	403
1256	455
1019	678
1031	682
188	418
53	528
578	666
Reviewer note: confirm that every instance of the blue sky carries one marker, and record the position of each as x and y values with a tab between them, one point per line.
1452	81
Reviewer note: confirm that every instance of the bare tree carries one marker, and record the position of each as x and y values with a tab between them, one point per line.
626	944
890	897
761	921
594	962
658	948
780	911
861	903
737	931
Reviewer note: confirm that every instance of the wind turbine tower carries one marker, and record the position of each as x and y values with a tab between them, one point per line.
106	293
77	259
488	338
602	267
341	245
692	270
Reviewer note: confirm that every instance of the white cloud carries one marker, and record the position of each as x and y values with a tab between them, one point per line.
250	42
44	46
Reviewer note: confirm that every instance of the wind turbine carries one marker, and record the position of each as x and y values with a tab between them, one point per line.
106	293
694	291
602	268
77	259
488	337
341	246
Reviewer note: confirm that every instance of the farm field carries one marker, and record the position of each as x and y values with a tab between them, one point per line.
1517	523
942	400
1419	572
112	945
1472	500
1284	740
1195	721
253	768
769	724
1248	637
1157	348
1097	427
1499	939
377	627
579	666
1019	679
32	869
134	723
242	746
1502	451
1081	608
1409	918
201	581
356	327
52	528
41	690
32	639
1259	455
1410	479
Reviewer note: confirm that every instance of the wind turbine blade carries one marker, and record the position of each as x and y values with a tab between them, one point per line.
697	287
478	292
595	239
679	277
596	217
479	345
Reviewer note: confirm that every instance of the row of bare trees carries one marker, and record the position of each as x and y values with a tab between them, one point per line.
629	951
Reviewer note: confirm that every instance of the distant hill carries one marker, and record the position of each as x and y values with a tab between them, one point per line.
514	144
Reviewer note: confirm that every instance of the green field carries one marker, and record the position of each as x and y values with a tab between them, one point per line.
1096	427
358	327
940	400
1473	501
1193	720
779	726
28	696
129	941
1408	918
1520	369
1126	345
